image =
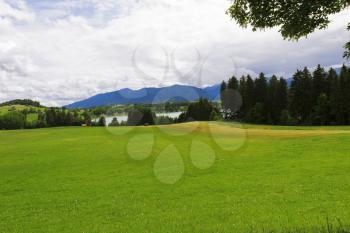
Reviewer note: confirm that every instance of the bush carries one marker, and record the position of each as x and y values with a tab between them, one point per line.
12	120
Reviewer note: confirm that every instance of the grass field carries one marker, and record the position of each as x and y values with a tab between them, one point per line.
196	177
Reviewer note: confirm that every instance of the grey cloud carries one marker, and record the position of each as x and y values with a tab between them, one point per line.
87	47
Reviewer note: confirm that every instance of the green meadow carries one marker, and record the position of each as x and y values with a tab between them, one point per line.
195	177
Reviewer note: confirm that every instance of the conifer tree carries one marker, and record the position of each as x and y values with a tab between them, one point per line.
260	92
272	107
250	94
332	84
319	85
232	83
243	93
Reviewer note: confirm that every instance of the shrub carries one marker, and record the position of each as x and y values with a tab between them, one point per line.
12	120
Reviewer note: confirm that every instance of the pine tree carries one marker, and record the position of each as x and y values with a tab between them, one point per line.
261	96
243	93
319	85
272	107
343	97
232	83
322	98
321	110
223	88
332	88
282	95
250	94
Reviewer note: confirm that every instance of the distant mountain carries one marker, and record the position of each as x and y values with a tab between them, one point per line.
174	93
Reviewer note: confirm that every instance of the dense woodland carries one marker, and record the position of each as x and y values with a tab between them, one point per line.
318	98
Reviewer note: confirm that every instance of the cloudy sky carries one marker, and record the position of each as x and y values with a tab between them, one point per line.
61	51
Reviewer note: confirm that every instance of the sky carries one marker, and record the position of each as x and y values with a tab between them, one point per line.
58	52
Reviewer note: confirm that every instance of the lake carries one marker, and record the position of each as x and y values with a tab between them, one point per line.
124	117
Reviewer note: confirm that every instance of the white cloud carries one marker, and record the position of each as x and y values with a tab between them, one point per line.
17	10
62	51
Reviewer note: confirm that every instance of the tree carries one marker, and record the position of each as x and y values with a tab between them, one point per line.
301	96
272	108
114	122
347	47
232	83
261	89
343	88
249	100
12	120
164	120
322	98
200	111
257	114
87	118
223	88
282	96
332	93
319	85
260	92
231	100
243	92
321	110
51	117
296	19
141	116
25	102
102	121
285	118
69	119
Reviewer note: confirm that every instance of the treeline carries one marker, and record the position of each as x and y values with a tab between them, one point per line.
318	98
54	117
121	109
50	117
203	110
25	102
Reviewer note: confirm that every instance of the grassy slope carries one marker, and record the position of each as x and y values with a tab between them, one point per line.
82	180
4	109
30	117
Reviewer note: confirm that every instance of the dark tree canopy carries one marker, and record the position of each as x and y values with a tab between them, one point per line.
295	18
141	116
317	98
25	102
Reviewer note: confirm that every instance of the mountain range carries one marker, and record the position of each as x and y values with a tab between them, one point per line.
175	93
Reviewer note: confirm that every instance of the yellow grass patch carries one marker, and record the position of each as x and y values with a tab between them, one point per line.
236	130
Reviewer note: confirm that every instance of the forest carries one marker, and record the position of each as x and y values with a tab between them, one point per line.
311	98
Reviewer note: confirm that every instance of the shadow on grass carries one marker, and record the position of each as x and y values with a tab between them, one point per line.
326	228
